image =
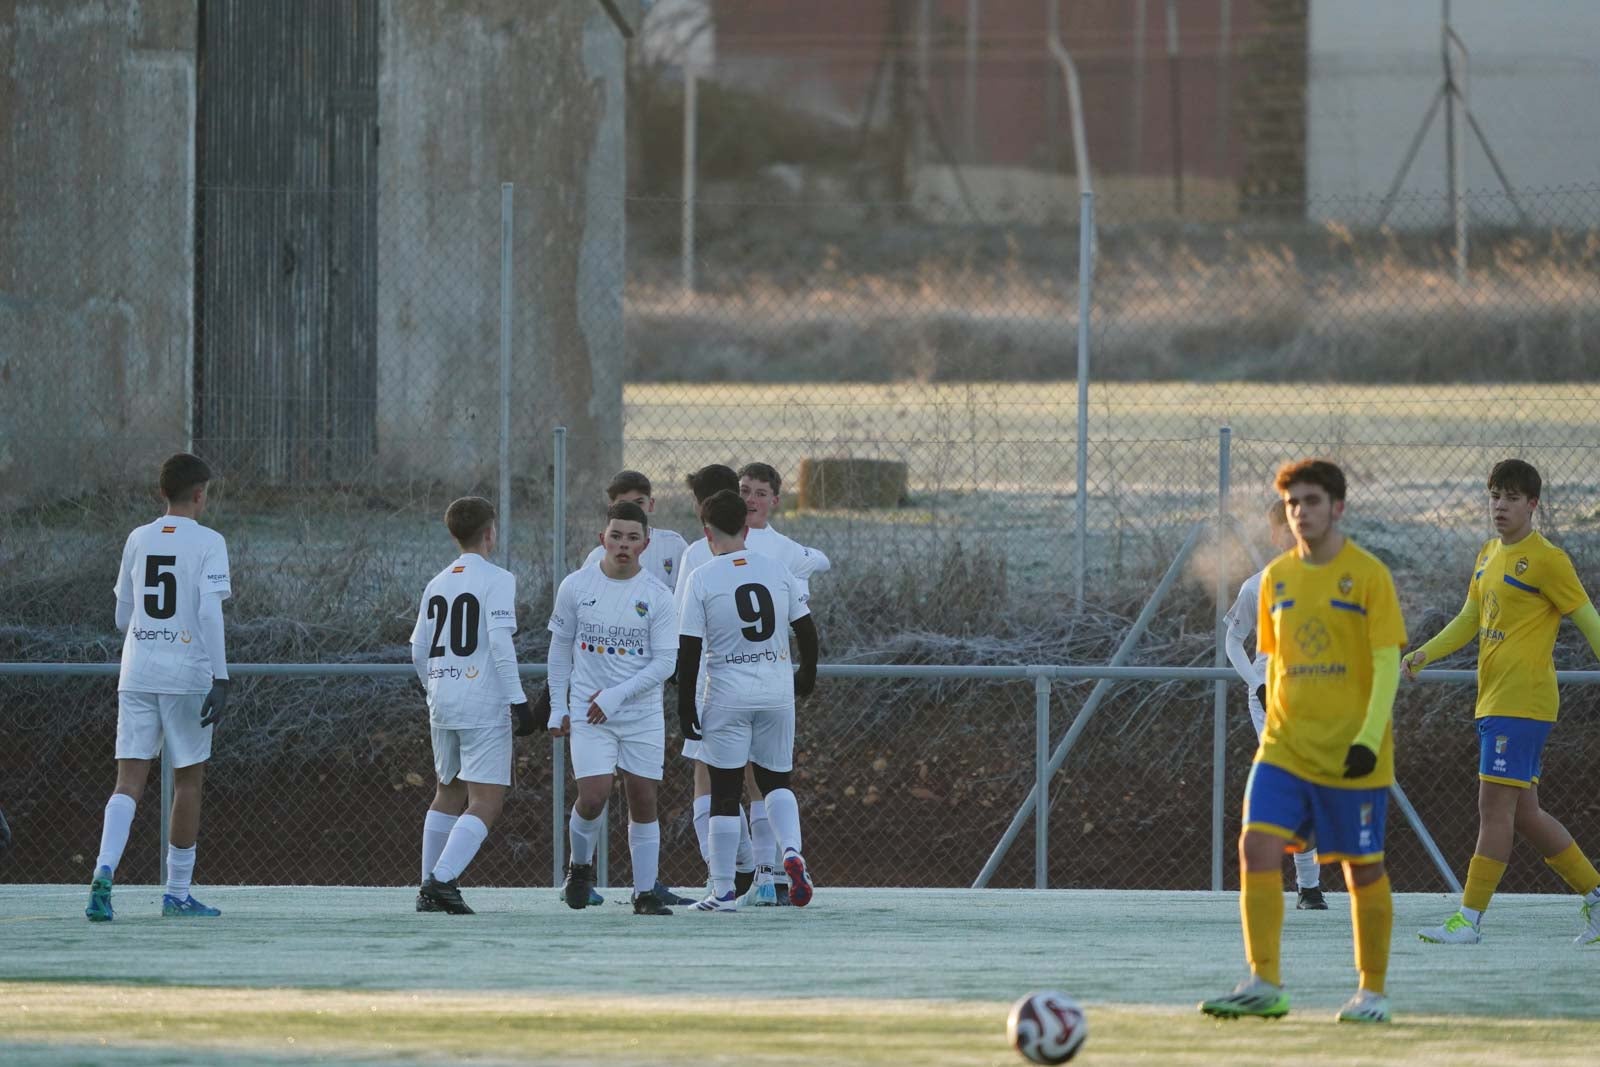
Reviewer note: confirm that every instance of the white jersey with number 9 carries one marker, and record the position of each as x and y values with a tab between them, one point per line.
740	605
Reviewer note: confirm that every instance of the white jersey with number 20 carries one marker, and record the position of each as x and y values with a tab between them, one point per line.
167	567
741	605
460	607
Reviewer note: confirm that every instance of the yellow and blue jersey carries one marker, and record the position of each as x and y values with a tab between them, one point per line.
1521	592
1320	624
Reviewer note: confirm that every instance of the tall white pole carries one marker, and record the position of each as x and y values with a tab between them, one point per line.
507	237
1219	696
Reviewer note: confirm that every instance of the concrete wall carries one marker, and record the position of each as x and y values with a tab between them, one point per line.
1533	80
96	262
471	94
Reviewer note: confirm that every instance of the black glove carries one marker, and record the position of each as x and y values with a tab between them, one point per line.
523	716
216	702
5	834
1360	761
1261	694
688	721
805	679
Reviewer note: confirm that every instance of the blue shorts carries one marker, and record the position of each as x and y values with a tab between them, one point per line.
1511	751
1341	824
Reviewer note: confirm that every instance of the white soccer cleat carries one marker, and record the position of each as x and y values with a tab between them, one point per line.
727	903
1589	910
1365	1007
1457	930
761	894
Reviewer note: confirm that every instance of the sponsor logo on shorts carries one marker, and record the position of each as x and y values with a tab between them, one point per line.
1499	765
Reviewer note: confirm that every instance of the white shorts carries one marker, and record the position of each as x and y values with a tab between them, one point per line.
149	722
694	750
635	745
733	737
479	754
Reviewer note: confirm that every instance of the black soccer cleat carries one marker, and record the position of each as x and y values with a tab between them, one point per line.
742	881
442	896
1311	900
647	903
580	881
669	898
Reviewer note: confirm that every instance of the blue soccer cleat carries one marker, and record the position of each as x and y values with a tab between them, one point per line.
99	909
187	908
668	897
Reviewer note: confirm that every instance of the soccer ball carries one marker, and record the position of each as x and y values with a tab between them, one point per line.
1047	1027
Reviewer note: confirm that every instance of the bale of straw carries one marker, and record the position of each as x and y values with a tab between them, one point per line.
848	482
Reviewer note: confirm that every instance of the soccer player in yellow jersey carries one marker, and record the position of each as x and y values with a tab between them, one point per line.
1521	587
1330	621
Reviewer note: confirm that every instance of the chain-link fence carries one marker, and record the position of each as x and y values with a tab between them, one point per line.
344	409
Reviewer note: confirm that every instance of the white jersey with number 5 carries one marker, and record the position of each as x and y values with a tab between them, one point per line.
741	605
660	557
460	607
167	567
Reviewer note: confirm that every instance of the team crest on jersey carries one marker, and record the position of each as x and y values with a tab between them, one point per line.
666	565
1346	583
641	607
1500	743
1522	566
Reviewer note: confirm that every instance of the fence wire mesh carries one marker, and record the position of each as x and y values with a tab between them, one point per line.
346	397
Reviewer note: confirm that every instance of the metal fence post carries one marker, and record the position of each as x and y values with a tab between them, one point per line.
558	752
507	236
1041	780
1085	298
1219	700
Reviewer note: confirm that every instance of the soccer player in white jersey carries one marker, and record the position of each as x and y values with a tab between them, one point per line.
613	642
665	547
736	612
1241	620
174	682
760	486
462	650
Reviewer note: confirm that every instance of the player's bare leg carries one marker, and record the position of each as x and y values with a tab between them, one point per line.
484	802
644	843
1497	821
132	774
185	830
1261	913
1561	853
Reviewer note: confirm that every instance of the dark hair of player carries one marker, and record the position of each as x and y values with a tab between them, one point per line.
468	518
628	511
181	474
1277	515
627	482
763	472
1516	476
724	510
711	479
1318	472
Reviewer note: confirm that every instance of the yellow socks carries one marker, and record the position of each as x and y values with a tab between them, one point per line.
1574	868
1483	878
1261	908
1372	915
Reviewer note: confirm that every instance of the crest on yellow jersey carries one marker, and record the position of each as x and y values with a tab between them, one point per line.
1522	566
1346	583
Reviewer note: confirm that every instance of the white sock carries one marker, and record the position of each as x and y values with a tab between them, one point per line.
466	836
180	871
644	846
762	840
724	837
1473	917
745	860
114	832
435	832
582	834
784	811
1307	871
702	825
